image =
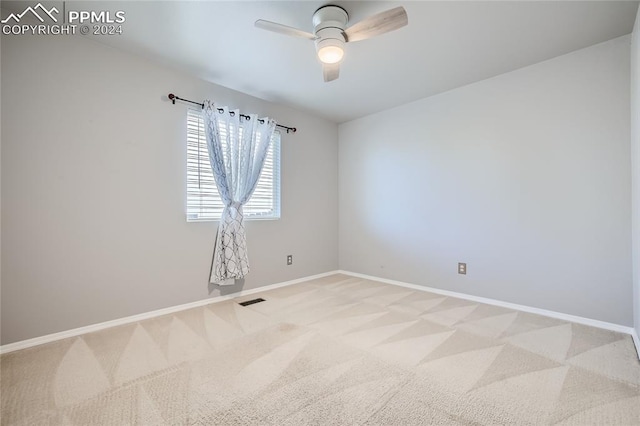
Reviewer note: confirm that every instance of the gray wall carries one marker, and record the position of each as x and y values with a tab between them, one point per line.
635	165
525	177
93	189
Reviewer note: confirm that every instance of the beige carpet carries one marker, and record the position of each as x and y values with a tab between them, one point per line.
334	351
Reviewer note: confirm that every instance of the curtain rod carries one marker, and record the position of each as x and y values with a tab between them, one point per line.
174	98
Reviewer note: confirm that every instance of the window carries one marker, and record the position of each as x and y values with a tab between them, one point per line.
203	199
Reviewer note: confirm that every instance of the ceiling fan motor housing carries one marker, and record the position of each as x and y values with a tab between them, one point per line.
330	17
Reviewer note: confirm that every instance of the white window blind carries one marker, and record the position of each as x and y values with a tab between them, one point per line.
203	199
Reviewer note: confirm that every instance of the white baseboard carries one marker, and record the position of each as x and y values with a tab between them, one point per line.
636	341
23	344
559	315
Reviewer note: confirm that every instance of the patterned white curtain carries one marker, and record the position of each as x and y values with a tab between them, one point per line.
237	149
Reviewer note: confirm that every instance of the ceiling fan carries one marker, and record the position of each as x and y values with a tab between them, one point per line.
330	32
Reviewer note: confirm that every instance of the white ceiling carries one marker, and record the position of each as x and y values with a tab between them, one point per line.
447	44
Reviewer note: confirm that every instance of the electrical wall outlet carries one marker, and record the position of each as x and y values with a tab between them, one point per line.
290	259
462	268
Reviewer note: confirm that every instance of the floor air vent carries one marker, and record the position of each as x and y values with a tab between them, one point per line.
251	302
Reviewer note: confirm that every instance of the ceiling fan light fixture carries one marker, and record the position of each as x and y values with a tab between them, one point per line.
330	51
330	54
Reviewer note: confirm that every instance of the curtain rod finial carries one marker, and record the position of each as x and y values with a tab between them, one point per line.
172	97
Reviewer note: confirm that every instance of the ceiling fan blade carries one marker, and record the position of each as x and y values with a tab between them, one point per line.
330	72
283	29
378	24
